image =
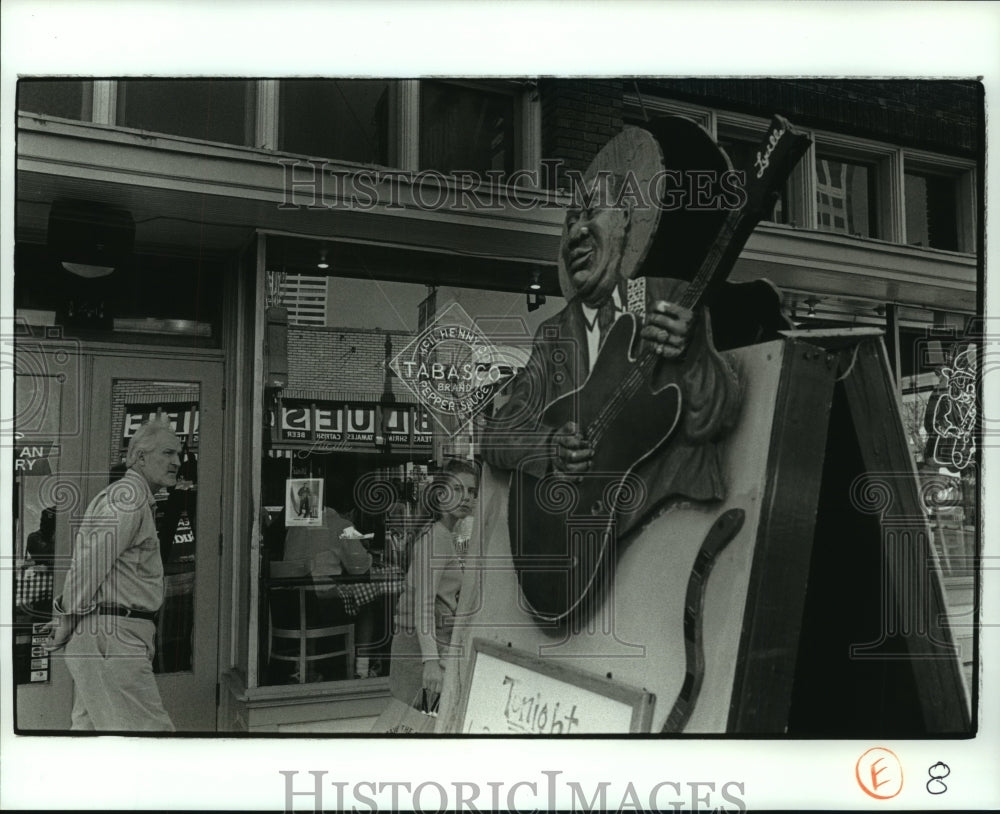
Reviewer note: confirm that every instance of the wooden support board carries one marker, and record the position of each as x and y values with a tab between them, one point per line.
774	606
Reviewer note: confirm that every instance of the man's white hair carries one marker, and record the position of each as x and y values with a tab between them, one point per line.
145	438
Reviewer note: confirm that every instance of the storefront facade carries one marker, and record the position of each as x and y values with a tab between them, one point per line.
197	322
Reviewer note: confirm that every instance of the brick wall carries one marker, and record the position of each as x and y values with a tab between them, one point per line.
578	117
343	360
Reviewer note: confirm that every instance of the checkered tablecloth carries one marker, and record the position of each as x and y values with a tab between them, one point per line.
355	595
32	585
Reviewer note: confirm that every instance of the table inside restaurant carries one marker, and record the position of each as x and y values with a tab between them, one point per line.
355	591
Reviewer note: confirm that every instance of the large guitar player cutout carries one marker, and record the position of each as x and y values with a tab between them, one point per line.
659	607
646	422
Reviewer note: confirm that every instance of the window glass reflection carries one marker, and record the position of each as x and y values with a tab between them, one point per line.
845	197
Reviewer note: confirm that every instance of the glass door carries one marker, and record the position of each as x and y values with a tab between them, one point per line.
128	391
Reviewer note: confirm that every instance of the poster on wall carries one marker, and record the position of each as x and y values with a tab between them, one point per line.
304	502
35	459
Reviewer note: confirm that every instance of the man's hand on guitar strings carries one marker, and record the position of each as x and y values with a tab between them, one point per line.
667	327
572	451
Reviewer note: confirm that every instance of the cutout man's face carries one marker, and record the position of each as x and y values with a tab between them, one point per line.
593	239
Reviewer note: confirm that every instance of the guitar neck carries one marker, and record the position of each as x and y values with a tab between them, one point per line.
777	155
732	237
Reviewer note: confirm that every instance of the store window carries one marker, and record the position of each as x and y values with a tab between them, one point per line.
846	197
346	119
939	383
466	128
206	109
66	98
350	454
932	204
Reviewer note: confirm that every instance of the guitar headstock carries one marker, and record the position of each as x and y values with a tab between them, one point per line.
773	162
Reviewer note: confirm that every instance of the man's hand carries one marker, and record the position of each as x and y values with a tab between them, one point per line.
572	451
59	631
667	327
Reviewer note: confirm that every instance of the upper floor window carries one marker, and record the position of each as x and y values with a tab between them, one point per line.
846	197
206	109
742	147
348	119
849	185
66	98
466	128
931	202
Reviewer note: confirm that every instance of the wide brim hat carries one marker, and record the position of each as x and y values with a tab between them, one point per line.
663	240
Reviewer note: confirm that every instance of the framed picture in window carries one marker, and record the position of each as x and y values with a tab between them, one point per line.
304	502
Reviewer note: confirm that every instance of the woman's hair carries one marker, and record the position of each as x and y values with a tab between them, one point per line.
144	439
440	496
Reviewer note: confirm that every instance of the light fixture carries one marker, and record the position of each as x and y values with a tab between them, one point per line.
535	284
811	303
322	264
90	239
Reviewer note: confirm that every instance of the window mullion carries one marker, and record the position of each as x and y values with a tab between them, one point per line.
105	108
409	124
806	187
966	211
528	131
892	215
266	121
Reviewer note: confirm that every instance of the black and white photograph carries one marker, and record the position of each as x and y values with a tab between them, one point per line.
304	502
439	409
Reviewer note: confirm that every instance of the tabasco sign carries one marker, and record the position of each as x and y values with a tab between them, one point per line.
352	426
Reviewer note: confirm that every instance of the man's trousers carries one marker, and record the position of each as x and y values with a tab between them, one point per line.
111	661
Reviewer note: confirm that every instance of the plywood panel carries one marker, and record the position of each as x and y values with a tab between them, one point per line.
637	636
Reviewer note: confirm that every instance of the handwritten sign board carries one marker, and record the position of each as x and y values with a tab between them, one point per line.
512	692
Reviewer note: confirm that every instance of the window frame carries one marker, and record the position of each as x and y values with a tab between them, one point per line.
963	173
889	163
263	117
527	117
109	97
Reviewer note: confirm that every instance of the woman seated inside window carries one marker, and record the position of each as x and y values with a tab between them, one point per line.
427	605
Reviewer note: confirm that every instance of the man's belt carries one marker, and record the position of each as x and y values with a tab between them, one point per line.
116	610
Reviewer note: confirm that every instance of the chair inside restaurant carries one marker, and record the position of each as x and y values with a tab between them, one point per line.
304	643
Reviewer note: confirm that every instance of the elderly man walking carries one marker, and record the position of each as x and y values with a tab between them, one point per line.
112	591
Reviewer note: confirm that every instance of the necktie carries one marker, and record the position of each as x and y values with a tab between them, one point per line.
605	319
